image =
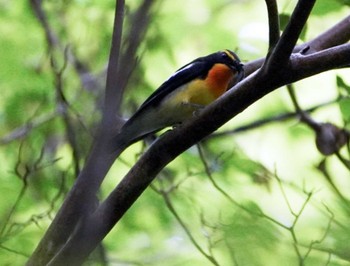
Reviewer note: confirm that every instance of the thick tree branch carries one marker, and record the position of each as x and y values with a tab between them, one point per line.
336	35
82	198
331	58
284	48
169	146
62	104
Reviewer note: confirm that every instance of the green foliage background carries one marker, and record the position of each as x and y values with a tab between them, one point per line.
253	198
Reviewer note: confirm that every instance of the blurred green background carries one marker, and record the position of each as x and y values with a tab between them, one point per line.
262	196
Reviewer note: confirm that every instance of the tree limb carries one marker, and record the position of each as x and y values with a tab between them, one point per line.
128	59
111	94
336	35
25	129
284	48
53	42
82	198
172	144
274	25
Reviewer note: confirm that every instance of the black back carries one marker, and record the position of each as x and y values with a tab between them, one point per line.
198	68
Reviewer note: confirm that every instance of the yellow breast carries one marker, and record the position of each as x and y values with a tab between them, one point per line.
205	91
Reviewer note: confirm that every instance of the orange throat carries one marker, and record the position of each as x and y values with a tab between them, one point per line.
218	79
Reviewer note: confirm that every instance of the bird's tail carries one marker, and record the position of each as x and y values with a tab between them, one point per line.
132	131
119	143
126	137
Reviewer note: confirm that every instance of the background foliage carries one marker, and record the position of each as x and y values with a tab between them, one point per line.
246	196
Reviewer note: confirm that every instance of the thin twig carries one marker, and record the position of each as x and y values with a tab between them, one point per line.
186	229
304	117
54	43
296	216
344	161
266	121
24	170
14	251
327	230
229	198
24	178
25	129
322	167
63	105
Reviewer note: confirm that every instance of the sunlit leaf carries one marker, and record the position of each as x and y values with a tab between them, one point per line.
342	85
284	19
344	105
323	7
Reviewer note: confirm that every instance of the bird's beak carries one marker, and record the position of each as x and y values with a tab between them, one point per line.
239	74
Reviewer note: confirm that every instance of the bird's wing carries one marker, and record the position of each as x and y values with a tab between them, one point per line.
193	70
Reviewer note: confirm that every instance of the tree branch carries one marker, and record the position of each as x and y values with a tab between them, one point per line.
25	129
82	197
182	223
266	121
112	85
336	35
331	58
128	59
171	144
284	48
53	42
274	24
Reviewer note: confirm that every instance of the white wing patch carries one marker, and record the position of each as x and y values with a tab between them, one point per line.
180	70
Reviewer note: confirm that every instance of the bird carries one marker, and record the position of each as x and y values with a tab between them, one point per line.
185	93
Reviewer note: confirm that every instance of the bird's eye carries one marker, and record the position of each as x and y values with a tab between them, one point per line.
224	55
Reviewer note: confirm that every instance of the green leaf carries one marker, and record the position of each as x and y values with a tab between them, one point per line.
344	2
342	85
324	7
344	105
284	19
